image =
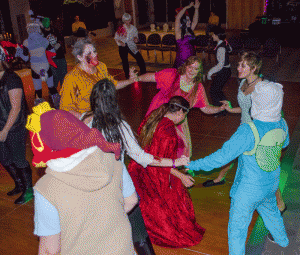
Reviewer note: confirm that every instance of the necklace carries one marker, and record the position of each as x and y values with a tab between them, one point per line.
248	85
184	85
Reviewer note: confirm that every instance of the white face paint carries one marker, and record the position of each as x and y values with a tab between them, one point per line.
89	56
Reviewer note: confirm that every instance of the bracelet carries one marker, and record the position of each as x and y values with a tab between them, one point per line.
173	160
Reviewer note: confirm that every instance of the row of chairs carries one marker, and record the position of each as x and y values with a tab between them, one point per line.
203	44
155	43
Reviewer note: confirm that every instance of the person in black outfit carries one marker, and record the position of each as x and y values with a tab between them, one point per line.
56	42
13	115
221	71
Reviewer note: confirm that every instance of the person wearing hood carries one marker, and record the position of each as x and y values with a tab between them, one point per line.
258	146
79	206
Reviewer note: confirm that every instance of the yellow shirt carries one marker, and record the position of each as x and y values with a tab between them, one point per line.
77	25
77	88
214	20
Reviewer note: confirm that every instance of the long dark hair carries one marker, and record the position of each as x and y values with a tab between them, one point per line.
175	104
107	117
184	28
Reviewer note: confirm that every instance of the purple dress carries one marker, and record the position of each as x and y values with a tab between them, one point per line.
184	50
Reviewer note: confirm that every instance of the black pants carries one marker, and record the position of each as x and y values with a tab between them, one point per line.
60	72
219	81
13	150
123	51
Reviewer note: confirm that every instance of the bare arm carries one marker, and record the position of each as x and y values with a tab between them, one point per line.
130	202
15	97
212	109
123	84
166	162
177	20
147	77
231	110
50	245
186	180
196	15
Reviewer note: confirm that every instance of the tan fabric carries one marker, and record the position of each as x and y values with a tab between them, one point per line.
76	25
91	206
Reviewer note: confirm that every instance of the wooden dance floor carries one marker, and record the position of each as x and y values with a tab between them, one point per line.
208	134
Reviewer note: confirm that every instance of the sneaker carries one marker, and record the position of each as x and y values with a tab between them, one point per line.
270	237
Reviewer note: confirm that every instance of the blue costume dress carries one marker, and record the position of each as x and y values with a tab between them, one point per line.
253	188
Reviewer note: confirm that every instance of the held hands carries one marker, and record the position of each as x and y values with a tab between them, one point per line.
182	161
133	74
226	105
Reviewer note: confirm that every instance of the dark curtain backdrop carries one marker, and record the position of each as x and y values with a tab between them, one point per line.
142	11
95	16
218	6
5	17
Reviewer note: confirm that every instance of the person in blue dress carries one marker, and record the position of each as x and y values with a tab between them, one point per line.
258	146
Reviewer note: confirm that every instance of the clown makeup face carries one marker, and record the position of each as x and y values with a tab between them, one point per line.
192	70
89	56
244	70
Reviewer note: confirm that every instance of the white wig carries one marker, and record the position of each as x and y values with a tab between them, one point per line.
126	17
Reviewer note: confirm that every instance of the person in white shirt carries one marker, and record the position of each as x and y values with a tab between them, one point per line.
221	71
126	38
105	116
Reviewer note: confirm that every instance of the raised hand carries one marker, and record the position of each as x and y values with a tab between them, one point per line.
182	161
197	4
190	5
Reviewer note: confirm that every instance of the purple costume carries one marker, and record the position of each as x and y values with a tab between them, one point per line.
184	50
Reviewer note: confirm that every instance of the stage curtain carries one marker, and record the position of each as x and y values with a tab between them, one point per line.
241	13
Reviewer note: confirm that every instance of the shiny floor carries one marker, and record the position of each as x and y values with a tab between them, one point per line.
208	134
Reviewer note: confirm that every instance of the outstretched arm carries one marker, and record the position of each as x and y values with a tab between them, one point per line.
177	20
196	15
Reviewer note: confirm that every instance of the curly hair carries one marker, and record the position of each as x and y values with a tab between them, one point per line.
190	61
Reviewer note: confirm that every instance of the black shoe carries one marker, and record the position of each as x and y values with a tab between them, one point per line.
13	172
270	237
211	183
26	178
25	197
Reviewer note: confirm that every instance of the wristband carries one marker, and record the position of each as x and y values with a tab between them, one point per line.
229	104
173	160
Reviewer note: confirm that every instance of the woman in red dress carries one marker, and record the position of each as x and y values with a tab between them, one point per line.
184	82
165	203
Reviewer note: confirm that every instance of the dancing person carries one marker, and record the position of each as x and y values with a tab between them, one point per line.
249	71
78	83
80	196
185	82
126	38
213	21
13	114
165	203
258	146
184	33
222	70
56	42
34	50
106	116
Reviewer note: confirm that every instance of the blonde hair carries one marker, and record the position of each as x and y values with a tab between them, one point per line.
253	60
191	60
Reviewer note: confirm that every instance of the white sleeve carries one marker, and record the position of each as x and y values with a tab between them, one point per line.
132	147
221	61
128	186
46	217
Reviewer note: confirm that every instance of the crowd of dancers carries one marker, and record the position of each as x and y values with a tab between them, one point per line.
88	202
